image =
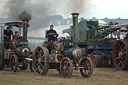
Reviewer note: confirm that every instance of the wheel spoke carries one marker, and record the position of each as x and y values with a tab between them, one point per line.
118	58
119	63
40	53
116	51
66	64
39	67
124	49
122	64
119	46
124	53
124	56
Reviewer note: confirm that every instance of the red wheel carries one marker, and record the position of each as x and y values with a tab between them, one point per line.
120	54
89	55
96	59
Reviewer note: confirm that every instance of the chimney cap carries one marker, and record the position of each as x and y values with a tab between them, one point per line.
73	14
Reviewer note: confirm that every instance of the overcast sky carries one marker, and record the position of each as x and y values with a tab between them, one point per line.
91	8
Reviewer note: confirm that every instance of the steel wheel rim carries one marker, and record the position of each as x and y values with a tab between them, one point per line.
65	66
14	63
120	57
39	58
87	67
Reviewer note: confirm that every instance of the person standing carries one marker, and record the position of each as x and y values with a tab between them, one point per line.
7	34
7	37
51	34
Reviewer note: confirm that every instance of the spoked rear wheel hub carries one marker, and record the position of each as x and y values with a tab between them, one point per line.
120	54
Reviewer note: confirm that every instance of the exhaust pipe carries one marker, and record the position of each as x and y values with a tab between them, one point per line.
75	27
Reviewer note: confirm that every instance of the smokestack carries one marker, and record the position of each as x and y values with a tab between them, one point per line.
25	29
25	17
75	27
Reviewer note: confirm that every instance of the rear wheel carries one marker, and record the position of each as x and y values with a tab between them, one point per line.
66	67
86	67
14	63
41	60
120	54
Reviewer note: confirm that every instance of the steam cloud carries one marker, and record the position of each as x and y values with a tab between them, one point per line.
39	11
77	5
14	8
83	7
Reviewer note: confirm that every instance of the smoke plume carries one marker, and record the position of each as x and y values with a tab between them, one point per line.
14	8
24	16
39	10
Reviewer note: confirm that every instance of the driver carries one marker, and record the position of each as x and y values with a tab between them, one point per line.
7	34
7	37
51	34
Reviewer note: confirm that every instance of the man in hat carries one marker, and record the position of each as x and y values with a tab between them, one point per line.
7	37
51	34
7	34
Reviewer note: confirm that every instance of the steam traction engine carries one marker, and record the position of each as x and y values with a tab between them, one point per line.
15	55
63	56
120	53
98	40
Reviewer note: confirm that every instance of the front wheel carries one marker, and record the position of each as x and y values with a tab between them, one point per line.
66	67
2	64
14	63
24	67
86	67
31	67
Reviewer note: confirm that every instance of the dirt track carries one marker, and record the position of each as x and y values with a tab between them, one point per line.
100	76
